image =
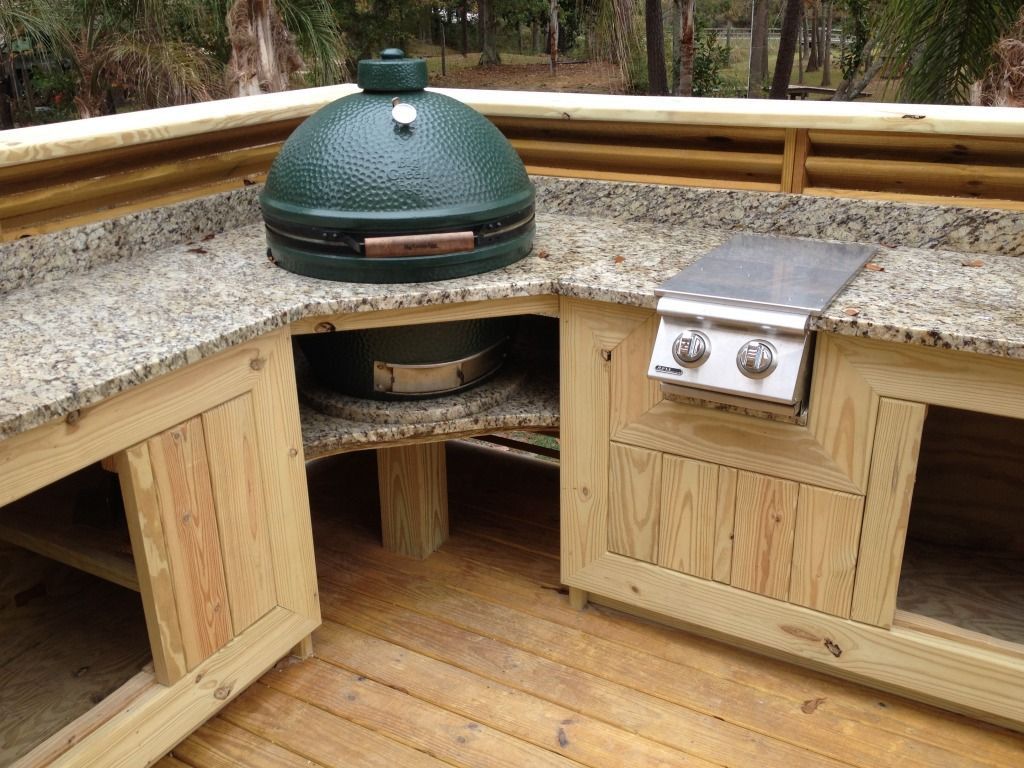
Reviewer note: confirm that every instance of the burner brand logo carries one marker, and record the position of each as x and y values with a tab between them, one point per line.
667	369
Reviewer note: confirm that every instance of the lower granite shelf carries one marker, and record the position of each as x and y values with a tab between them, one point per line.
533	405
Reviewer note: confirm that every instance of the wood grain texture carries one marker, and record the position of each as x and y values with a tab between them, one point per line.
825	548
283	468
725	523
762	554
413	483
886	510
590	332
409	720
794	160
689	516
220	744
181	477
499	590
979	682
156	721
73	641
47	752
629	396
307	730
35	458
149	549
956	379
45	523
434	313
239	496
970	472
634	501
518	713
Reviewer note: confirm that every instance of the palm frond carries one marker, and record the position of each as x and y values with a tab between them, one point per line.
161	73
942	46
319	37
43	22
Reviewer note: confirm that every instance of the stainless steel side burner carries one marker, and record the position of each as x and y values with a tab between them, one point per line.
734	324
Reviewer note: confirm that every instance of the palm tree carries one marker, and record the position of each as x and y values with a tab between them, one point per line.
942	46
37	21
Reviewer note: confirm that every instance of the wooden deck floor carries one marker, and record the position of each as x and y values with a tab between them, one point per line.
474	658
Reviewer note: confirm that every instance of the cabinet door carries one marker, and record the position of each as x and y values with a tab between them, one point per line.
697	505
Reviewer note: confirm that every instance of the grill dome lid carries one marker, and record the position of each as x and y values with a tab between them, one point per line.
396	160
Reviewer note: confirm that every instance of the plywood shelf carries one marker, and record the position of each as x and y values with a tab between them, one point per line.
979	591
46	523
70	643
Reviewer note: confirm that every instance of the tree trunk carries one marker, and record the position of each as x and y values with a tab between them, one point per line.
6	113
684	83
657	80
813	59
826	43
464	23
758	49
263	54
444	43
791	16
488	34
553	35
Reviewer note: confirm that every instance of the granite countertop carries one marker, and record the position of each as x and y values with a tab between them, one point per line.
91	312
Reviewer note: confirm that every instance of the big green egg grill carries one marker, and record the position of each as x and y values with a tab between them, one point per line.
396	184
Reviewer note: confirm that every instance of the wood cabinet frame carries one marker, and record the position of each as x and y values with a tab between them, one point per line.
246	394
868	403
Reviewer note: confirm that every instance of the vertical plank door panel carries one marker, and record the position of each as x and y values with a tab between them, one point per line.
182	477
887	510
413	484
825	549
634	501
725	522
689	506
762	554
149	549
237	483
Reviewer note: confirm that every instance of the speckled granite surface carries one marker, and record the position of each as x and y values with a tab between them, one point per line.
970	230
70	251
73	340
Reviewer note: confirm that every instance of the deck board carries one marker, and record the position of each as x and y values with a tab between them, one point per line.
413	652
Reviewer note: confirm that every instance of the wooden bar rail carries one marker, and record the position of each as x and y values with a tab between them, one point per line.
66	174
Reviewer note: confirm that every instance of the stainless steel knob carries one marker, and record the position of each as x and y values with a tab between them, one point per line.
757	358
691	348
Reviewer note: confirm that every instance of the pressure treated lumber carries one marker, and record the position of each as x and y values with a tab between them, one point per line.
827	536
634	501
689	510
762	553
413	483
886	510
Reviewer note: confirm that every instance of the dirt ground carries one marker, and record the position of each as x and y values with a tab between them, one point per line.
578	77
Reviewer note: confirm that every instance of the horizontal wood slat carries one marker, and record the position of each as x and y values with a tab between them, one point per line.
873	152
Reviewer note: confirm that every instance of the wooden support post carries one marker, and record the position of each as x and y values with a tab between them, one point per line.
794	160
304	649
578	598
413	498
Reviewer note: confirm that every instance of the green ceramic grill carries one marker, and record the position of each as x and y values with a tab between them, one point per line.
397	184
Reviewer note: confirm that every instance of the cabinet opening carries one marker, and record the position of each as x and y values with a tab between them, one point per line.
72	630
963	565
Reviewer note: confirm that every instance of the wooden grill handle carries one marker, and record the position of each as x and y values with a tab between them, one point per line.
417	245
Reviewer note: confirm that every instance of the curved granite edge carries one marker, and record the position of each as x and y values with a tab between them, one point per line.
532	406
75	340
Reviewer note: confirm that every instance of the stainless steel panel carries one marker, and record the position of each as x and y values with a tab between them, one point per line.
771	272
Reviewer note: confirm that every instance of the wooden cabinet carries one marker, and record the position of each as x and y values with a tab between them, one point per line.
211	468
784	536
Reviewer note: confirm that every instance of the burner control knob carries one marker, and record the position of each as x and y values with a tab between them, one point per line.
757	358
691	348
